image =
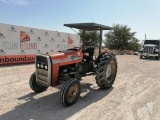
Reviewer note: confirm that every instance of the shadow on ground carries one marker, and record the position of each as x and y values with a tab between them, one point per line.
50	108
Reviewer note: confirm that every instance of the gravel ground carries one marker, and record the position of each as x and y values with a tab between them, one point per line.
134	95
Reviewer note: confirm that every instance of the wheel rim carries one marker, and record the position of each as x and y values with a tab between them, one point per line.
108	71
111	70
73	93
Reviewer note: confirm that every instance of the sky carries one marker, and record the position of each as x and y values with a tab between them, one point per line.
142	16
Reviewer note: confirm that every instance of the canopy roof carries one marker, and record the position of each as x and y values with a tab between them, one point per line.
88	26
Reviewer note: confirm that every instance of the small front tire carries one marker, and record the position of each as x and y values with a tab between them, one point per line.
70	92
35	86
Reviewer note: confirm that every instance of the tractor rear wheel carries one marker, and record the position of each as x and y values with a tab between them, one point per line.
70	92
35	86
106	74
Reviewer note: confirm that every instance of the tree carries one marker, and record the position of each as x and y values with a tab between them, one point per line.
91	38
121	38
133	44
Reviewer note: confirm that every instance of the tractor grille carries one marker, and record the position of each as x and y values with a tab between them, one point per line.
42	76
148	50
42	70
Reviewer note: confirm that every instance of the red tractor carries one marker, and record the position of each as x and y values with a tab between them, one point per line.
67	68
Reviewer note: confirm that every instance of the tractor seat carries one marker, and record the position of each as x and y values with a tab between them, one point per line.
90	51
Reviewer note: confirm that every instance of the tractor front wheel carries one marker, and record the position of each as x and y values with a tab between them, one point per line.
106	73
70	92
35	86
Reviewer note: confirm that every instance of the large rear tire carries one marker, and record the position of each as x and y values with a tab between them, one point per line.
70	92
35	86
106	74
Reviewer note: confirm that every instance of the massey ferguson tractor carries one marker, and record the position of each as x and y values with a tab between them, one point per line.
67	67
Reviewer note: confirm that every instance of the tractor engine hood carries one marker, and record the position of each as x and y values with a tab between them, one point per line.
57	55
68	56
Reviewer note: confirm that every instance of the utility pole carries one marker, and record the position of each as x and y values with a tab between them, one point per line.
145	36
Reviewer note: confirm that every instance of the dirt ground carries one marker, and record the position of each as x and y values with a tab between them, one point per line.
135	95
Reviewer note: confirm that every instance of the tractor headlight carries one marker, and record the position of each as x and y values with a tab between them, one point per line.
156	50
38	65
46	67
42	66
